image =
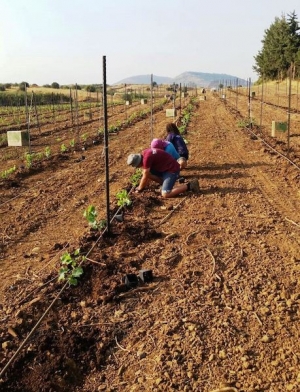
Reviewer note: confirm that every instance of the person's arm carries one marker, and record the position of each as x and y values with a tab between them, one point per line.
144	180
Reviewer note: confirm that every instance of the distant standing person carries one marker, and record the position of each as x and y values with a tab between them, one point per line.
174	136
161	167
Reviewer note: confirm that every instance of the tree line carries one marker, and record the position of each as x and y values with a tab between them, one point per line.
24	85
280	54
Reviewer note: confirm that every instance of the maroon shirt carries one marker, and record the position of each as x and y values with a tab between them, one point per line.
159	160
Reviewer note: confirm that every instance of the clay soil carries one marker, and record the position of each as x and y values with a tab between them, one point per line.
222	312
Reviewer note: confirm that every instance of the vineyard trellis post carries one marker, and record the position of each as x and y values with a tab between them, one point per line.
249	104
237	94
297	95
180	94
71	110
36	113
76	114
53	107
151	103
125	98
27	119
106	144
289	111
261	102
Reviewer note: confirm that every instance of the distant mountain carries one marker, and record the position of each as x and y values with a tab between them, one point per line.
146	79
200	79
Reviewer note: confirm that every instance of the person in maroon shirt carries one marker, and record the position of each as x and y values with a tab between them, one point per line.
161	167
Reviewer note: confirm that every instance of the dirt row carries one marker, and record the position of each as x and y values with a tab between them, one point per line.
222	311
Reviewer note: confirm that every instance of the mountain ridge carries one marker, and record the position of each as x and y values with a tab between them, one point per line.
201	79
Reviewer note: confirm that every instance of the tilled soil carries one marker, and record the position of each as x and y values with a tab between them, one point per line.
222	311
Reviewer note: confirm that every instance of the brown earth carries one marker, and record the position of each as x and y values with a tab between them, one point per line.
222	312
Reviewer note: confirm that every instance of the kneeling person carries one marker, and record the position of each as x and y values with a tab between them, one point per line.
161	167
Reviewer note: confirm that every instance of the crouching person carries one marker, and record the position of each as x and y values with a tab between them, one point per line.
160	167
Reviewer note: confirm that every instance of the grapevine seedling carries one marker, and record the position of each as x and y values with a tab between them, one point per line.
91	216
136	177
63	148
70	269
47	152
6	173
28	159
123	198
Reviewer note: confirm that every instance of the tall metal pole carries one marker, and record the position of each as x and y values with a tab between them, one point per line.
125	97
27	119
237	94
106	144
36	113
289	111
262	101
249	103
71	109
77	114
297	95
180	94
151	100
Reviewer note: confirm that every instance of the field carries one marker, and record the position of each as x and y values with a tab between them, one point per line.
222	312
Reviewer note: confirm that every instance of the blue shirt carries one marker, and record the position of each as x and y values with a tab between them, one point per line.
179	144
170	149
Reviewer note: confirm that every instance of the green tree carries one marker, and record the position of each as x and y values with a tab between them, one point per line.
91	88
280	48
23	85
55	85
293	50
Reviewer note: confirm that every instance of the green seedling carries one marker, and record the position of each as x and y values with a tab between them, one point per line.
70	269
91	216
47	152
3	140
84	137
29	160
7	172
38	156
63	148
136	177
123	198
72	143
246	122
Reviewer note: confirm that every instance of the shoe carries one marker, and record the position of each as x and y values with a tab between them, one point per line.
181	180
194	186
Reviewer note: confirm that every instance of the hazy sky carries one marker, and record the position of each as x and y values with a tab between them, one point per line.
64	41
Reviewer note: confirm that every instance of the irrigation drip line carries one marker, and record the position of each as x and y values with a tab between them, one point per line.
32	331
67	285
167	217
273	149
54	300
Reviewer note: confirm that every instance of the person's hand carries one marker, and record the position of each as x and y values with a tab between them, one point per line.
137	190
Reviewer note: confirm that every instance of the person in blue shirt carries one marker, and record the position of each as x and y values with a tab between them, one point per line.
174	136
166	146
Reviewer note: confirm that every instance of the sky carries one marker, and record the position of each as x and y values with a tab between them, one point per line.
65	41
